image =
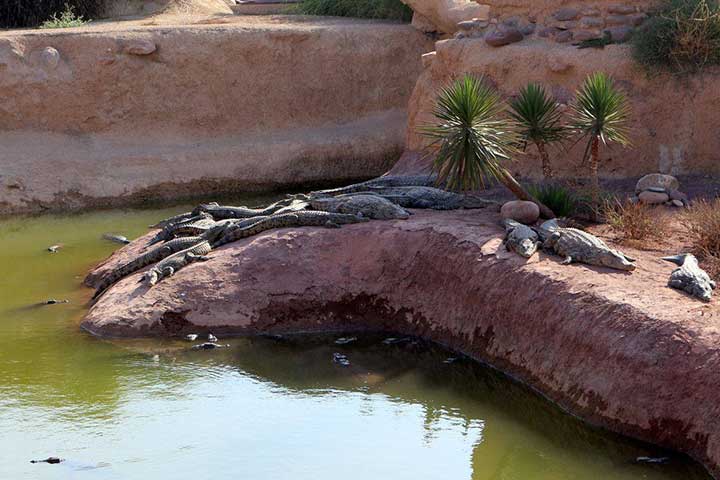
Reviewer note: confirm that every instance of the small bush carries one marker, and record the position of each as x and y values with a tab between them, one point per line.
633	221
561	200
67	19
681	36
32	13
387	9
702	221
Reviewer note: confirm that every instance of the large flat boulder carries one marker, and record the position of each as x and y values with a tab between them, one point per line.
621	350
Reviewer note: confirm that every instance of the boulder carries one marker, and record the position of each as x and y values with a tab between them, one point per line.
653	198
506	36
567	13
521	211
658	180
446	14
621	33
140	47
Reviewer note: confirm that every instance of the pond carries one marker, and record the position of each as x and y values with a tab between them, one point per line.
265	408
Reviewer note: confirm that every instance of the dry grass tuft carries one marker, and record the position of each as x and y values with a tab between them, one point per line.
634	222
702	221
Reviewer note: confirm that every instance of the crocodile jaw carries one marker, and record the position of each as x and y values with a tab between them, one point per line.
526	248
617	260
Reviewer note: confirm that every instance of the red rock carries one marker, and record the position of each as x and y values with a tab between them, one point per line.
521	211
623	351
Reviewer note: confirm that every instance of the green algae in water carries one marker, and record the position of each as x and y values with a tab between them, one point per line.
262	409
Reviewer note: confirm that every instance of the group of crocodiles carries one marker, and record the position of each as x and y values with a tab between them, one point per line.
189	237
579	246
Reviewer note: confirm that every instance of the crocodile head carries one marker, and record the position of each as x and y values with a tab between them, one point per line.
526	247
613	259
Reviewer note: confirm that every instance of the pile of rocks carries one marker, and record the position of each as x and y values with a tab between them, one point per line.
657	188
568	24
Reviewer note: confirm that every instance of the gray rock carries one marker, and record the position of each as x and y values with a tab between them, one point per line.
590	12
499	38
619	20
548	32
677	203
582	35
564	36
653	198
621	9
678	195
621	33
50	58
592	22
659	180
567	13
528	29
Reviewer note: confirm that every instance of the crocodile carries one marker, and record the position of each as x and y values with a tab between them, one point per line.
221	212
578	246
176	261
386	181
689	277
115	238
193	226
520	238
431	197
147	258
296	219
183	217
160	252
365	205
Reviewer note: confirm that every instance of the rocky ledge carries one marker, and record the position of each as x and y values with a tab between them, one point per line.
621	350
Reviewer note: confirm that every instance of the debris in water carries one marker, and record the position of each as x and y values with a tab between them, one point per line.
54	248
208	346
450	360
52	301
345	340
652	459
191	337
115	238
212	338
341	359
50	460
395	341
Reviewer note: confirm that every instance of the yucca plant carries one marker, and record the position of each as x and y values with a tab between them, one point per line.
561	200
600	114
538	116
471	139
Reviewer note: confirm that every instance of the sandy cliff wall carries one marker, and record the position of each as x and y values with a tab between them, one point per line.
672	118
114	113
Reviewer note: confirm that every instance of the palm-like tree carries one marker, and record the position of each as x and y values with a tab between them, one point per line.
600	114
538	116
471	140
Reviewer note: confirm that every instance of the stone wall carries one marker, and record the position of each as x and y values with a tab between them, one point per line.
115	114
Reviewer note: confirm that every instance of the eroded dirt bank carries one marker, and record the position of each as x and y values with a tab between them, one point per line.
621	350
108	113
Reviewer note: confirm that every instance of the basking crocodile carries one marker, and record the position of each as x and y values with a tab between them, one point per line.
220	212
430	197
520	238
690	278
176	261
147	258
195	225
578	246
296	219
365	205
386	181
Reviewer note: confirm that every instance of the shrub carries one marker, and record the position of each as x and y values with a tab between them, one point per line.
67	19
633	221
561	200
600	114
538	116
387	9
32	13
681	36
702	221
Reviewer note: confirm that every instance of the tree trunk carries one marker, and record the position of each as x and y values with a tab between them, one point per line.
511	184
594	166
546	168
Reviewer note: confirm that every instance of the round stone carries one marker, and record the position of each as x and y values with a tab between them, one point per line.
50	57
658	180
653	198
521	211
499	37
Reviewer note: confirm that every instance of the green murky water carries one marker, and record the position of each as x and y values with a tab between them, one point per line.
263	409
